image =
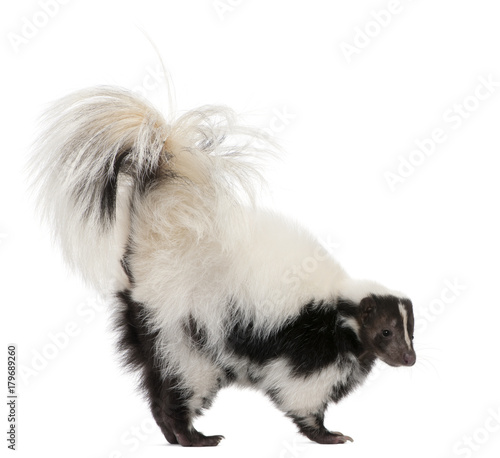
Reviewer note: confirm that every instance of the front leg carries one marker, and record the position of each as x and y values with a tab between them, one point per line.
313	428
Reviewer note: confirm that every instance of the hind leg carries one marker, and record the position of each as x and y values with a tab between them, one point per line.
174	400
175	404
174	415
167	431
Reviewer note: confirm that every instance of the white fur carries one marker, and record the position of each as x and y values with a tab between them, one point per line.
301	395
404	316
197	241
84	133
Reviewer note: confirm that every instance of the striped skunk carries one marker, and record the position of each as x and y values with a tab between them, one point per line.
203	278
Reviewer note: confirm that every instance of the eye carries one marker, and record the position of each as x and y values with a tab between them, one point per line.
411	337
386	333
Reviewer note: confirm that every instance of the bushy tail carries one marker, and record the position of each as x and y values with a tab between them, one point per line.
102	146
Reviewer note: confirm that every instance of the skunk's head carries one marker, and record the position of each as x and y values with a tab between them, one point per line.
387	329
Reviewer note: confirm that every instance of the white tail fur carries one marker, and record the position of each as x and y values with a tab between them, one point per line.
102	148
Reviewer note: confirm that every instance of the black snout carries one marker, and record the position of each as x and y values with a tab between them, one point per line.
409	358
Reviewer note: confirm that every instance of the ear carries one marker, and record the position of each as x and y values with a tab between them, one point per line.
368	308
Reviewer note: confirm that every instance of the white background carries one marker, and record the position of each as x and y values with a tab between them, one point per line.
351	117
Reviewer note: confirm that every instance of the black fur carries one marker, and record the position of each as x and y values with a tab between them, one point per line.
314	339
230	375
381	313
341	390
310	341
166	395
330	333
196	334
109	189
105	189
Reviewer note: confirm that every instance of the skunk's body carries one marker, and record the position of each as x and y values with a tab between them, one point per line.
206	283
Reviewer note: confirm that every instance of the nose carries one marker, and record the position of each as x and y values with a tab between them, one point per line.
409	358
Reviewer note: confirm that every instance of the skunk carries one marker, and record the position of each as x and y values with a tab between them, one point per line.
204	279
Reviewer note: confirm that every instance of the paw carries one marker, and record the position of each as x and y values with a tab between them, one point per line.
338	438
328	437
211	441
196	439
